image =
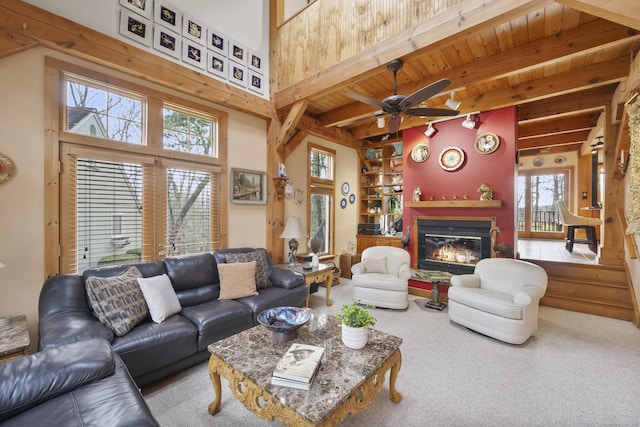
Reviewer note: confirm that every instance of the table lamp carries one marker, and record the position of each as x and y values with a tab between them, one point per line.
293	230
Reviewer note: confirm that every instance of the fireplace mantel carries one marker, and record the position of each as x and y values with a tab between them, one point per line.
454	204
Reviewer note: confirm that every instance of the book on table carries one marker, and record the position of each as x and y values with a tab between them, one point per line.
299	364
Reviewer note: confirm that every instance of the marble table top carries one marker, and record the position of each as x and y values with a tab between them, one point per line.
254	354
14	336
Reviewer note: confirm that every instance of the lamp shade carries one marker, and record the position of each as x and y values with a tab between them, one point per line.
293	229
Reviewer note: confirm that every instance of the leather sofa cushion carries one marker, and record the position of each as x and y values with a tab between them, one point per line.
113	401
260	257
218	319
151	346
275	297
31	380
191	271
118	301
489	301
146	268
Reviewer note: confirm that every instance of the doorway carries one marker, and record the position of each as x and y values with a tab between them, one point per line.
537	193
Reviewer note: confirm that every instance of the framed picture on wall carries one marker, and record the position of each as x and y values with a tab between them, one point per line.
141	7
135	27
248	186
166	41
255	82
217	42
217	64
194	29
238	52
194	54
255	62
168	16
237	74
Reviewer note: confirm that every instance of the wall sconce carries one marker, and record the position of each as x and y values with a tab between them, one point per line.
380	122
468	123
430	130
452	103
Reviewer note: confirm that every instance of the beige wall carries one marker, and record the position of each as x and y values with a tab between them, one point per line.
22	198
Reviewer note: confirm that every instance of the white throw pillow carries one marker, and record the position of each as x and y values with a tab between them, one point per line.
375	265
160	296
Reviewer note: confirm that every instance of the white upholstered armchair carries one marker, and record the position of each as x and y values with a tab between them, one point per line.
500	299
381	278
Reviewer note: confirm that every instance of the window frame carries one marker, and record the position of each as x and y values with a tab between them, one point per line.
55	136
322	186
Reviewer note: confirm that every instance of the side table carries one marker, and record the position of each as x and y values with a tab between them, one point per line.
322	272
14	338
346	262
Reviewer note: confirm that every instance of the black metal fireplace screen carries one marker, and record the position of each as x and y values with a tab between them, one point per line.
452	245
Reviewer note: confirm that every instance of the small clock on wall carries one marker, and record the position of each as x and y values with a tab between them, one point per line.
420	153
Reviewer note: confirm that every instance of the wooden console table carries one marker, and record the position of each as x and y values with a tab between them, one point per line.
323	272
14	338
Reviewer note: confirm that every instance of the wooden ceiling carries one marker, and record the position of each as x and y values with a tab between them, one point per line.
559	65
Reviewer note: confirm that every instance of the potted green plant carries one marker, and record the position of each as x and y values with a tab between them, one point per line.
356	319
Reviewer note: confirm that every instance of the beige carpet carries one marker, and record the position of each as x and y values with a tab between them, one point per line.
577	370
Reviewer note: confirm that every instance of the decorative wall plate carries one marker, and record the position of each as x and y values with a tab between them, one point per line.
420	152
538	161
559	160
288	189
7	168
343	203
371	153
352	198
451	158
487	143
345	188
298	197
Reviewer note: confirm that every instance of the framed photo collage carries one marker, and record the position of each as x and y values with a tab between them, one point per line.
184	38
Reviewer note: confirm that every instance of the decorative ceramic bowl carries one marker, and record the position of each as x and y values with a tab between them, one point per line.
283	322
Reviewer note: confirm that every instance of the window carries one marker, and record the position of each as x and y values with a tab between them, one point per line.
157	195
537	194
321	196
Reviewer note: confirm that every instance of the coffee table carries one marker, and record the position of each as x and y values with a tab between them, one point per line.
347	382
316	274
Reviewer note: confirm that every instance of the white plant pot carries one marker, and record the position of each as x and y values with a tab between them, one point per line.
355	338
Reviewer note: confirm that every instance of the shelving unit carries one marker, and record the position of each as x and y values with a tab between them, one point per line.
381	185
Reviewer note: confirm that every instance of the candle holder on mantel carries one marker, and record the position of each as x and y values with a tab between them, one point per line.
434	303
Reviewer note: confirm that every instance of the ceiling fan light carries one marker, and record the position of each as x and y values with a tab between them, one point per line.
380	122
452	103
468	123
430	130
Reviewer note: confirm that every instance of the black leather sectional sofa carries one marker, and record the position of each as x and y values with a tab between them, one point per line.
154	350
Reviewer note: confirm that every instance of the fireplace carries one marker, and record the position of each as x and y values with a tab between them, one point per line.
453	245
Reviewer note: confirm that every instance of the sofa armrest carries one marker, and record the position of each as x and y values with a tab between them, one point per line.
466	281
528	294
31	380
67	328
404	272
287	279
358	268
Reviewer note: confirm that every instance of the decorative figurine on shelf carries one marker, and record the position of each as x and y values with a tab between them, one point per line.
465	197
406	238
455	197
416	194
282	170
486	193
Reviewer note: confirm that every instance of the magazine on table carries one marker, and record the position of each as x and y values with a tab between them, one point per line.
299	363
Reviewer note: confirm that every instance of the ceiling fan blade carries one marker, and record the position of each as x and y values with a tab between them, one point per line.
430	112
367	100
394	124
425	93
360	119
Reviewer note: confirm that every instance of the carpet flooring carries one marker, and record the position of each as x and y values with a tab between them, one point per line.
577	370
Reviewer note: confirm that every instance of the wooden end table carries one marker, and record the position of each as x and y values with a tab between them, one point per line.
14	338
321	273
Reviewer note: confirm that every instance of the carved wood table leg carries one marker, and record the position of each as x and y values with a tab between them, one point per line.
396	397
329	282
216	405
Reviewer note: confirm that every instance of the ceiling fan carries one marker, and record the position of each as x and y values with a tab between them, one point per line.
395	105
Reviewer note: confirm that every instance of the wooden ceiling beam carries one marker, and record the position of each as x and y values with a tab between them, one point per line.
557	149
577	137
11	43
586	100
570	43
558	125
455	23
624	12
289	126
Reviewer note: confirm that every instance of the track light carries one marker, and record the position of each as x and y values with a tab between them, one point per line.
430	130
452	103
380	122
468	123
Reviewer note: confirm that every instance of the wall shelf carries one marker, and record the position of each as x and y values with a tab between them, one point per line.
454	204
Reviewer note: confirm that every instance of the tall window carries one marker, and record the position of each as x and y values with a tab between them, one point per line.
321	190
155	196
537	194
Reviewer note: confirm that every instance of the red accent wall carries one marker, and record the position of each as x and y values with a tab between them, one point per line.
497	169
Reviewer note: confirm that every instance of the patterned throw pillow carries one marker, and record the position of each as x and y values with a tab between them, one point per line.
118	301
260	257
